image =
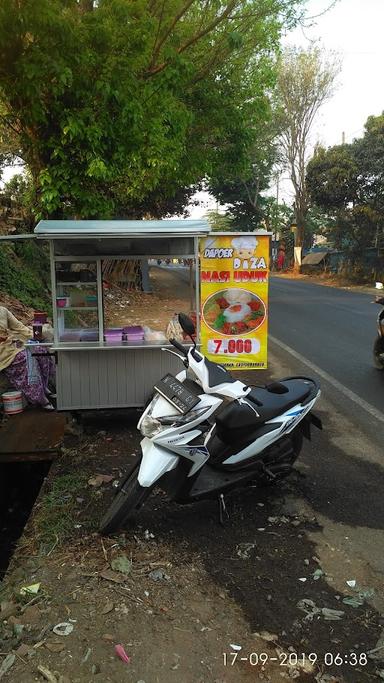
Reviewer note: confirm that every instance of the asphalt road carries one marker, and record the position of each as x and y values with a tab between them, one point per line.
329	332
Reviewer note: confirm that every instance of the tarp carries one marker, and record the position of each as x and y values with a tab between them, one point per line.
314	258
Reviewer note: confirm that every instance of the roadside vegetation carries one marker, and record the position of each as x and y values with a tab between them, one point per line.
346	182
24	274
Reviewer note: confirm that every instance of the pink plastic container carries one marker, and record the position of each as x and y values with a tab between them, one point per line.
89	335
133	333
113	336
62	301
70	336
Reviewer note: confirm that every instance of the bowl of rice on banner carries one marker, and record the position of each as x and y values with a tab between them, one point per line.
234	312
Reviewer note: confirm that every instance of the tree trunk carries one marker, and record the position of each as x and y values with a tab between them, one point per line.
299	238
86	5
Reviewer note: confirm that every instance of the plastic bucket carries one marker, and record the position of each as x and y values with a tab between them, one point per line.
12	402
62	301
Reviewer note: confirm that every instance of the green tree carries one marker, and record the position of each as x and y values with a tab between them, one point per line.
368	152
332	177
16	202
305	81
276	215
347	182
220	222
119	105
240	189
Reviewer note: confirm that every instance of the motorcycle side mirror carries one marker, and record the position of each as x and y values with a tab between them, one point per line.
186	324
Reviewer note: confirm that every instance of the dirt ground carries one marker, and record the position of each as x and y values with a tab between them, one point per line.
328	280
170	294
174	620
22	312
189	599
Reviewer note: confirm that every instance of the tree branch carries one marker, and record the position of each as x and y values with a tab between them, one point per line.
176	19
194	39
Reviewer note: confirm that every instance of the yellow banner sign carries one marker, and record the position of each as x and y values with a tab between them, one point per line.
234	298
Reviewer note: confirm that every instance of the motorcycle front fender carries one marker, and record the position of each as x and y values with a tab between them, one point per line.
155	462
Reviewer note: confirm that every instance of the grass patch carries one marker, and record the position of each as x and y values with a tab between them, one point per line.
55	519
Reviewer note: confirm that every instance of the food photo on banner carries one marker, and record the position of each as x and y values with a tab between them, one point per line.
234	299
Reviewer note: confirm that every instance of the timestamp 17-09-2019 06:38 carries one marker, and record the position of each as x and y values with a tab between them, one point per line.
297	659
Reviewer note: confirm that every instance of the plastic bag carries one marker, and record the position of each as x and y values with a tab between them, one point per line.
154	335
47	332
174	330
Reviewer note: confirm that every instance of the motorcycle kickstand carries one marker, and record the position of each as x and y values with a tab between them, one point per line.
222	509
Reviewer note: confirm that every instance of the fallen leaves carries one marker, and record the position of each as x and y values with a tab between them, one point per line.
8	662
54	645
108	607
122	564
99	479
110	575
8	609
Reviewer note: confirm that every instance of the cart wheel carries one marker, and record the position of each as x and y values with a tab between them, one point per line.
129	499
378	353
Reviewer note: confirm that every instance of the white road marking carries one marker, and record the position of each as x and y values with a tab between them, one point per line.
331	380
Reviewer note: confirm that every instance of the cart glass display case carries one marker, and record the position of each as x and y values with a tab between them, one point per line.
77	301
116	285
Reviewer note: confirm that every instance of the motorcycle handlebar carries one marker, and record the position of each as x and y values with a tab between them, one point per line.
179	347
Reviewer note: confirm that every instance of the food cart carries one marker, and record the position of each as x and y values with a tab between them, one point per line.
99	365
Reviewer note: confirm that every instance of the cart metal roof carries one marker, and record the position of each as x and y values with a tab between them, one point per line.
88	229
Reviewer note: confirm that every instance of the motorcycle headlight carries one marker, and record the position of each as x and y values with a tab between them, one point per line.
181	419
150	426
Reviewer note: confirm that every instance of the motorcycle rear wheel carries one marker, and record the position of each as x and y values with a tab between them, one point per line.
281	468
378	351
125	504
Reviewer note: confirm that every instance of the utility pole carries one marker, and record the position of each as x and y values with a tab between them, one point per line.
277	203
343	138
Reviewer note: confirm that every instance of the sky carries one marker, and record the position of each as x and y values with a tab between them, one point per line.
354	29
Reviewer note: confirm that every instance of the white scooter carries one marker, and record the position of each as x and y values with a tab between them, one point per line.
378	347
206	432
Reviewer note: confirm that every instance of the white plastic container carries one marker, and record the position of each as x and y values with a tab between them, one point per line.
12	402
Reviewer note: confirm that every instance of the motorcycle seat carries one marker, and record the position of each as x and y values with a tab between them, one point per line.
260	405
277	398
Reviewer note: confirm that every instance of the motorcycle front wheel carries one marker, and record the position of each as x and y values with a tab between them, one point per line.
378	353
128	500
